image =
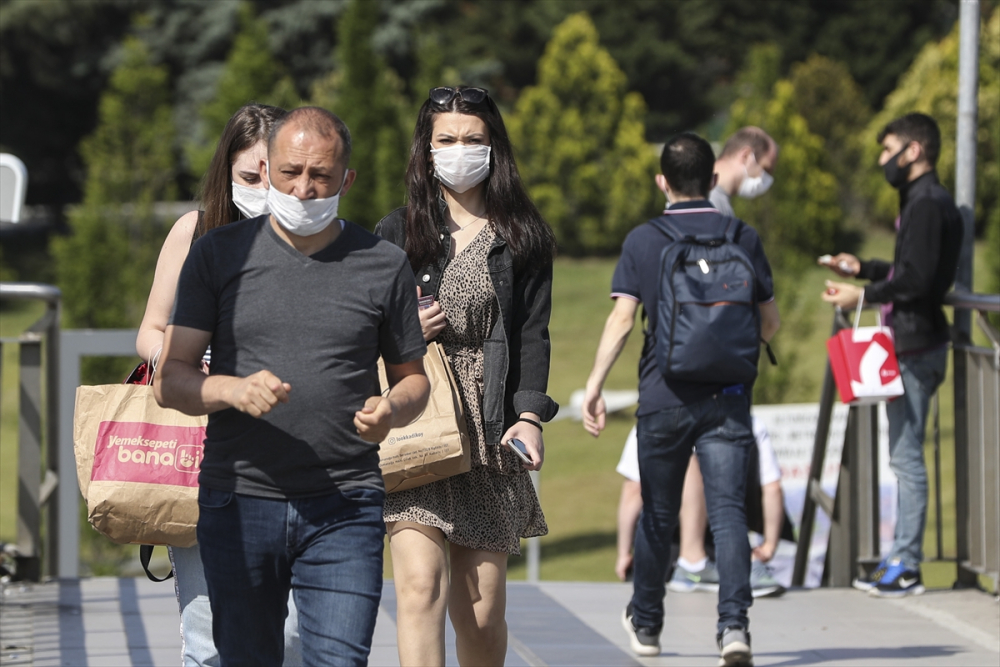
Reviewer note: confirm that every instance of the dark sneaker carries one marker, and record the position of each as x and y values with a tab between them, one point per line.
734	647
898	582
685	581
871	581
762	581
643	641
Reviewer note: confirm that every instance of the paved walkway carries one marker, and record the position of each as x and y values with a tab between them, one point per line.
105	622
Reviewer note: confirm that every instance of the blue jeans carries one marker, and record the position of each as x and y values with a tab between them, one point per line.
197	646
720	431
922	374
327	550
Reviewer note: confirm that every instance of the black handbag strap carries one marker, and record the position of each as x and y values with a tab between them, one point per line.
145	553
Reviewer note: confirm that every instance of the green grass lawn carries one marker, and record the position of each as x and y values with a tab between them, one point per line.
579	486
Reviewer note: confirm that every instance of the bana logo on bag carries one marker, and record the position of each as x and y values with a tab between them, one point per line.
152	453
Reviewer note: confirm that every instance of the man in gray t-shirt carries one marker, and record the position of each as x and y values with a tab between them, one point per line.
745	168
297	306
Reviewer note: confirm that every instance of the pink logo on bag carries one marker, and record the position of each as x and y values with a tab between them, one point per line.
150	453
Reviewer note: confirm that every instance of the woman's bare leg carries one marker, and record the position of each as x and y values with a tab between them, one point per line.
478	604
420	574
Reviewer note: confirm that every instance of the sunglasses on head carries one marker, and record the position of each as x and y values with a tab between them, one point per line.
445	94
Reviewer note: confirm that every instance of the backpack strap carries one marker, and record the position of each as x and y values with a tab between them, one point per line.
667	228
732	225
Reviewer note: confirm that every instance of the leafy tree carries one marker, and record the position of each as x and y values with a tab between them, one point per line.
931	86
251	74
580	136
53	67
835	109
680	56
368	96
104	267
800	216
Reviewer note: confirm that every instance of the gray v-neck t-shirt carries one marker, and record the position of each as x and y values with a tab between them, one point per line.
318	323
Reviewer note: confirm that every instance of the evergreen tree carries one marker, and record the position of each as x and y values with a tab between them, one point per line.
367	95
800	216
250	74
835	109
580	138
798	219
104	267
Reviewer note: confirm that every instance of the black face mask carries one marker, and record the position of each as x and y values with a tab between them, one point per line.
896	175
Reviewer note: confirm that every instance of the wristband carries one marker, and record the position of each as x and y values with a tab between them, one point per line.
530	421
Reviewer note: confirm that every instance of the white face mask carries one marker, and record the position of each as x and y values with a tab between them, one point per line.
755	186
303	217
252	202
460	168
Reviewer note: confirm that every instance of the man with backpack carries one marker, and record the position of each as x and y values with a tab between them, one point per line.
706	289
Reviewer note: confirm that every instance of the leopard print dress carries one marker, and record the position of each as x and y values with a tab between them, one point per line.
493	506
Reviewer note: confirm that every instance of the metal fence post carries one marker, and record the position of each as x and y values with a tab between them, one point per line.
29	459
77	344
36	491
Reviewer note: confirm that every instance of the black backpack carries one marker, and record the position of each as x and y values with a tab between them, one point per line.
707	315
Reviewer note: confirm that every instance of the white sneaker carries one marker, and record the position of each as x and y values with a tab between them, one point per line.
643	641
686	581
734	647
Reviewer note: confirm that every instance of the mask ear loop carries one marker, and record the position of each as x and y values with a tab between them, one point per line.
154	360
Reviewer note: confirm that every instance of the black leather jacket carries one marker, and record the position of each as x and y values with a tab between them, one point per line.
923	269
516	354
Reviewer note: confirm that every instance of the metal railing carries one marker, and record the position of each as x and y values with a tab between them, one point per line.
854	509
38	424
977	444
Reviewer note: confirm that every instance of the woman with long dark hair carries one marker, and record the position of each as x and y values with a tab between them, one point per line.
482	256
232	189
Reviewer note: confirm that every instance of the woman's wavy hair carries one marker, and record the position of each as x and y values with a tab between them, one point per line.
508	208
251	124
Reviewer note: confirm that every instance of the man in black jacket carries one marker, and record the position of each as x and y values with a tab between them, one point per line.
910	292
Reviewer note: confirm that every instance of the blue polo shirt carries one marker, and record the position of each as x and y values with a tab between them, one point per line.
637	277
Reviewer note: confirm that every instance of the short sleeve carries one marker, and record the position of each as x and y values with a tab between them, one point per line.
628	464
626	280
196	302
400	336
770	469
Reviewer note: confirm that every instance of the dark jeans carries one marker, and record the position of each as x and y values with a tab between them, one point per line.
719	430
327	550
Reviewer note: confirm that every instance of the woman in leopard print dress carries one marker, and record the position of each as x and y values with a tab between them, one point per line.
479	247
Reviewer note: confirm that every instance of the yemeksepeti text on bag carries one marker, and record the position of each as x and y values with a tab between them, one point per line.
707	317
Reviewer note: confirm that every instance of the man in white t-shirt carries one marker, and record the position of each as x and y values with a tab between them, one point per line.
694	571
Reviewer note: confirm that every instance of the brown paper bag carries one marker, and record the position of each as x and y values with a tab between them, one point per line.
137	465
434	446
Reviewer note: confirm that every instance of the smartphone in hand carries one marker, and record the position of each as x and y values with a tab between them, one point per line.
520	450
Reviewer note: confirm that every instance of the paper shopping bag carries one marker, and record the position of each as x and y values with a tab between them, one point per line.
137	465
434	446
863	360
